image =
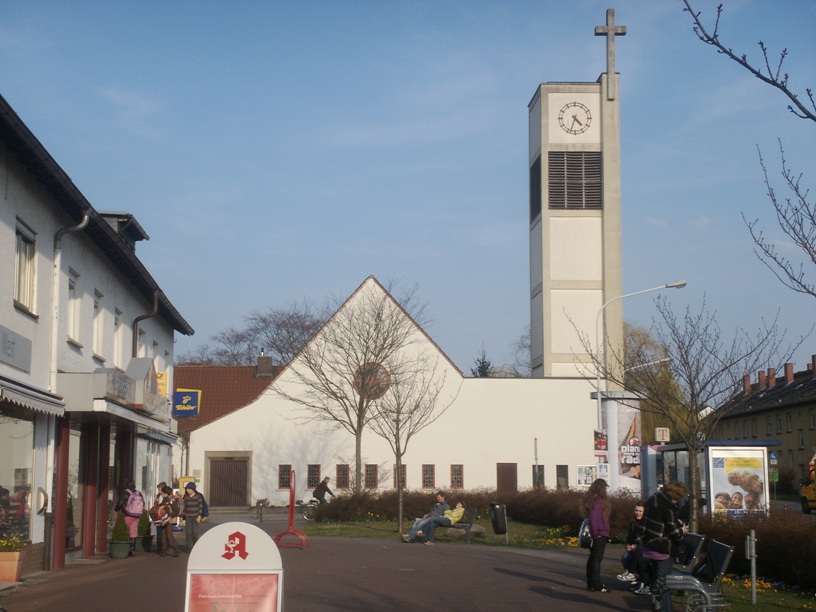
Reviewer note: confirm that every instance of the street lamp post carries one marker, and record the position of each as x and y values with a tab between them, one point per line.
600	340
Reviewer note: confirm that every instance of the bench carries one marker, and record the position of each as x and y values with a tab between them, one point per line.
694	544
705	596
466	523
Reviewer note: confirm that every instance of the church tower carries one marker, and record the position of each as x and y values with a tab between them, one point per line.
575	219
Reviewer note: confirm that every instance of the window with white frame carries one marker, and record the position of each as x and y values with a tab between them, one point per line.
24	270
98	319
73	306
770	426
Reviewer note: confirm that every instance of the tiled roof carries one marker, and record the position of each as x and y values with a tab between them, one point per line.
802	389
224	390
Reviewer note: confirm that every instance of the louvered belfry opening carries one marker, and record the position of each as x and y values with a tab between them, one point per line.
575	179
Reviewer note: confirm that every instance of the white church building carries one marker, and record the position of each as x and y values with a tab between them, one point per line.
497	433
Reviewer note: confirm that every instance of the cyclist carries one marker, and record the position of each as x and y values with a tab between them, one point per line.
321	490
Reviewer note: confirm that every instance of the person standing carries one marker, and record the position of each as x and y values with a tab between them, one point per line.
595	506
131	503
168	501
159	524
321	489
193	513
660	527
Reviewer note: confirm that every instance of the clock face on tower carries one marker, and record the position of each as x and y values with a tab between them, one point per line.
574	118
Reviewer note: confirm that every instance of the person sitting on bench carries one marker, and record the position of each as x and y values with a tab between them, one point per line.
429	525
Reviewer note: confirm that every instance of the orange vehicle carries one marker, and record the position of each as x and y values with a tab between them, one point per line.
807	490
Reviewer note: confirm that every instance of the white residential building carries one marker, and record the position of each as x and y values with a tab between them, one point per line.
86	356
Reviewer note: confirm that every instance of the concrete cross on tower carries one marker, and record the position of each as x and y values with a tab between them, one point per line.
610	30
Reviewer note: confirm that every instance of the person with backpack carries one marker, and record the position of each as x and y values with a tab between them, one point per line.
131	504
194	510
596	507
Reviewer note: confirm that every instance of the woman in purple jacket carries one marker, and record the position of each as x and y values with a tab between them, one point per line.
595	506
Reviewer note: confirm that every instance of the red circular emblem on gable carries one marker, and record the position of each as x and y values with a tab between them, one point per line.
371	380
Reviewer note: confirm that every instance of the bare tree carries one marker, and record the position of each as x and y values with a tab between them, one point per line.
797	218
641	352
278	332
772	75
707	371
282	332
416	398
341	372
795	215
521	367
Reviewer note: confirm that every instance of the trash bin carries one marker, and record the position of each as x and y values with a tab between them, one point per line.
498	515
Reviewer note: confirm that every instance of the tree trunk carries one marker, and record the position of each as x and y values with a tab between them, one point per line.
694	488
399	490
358	462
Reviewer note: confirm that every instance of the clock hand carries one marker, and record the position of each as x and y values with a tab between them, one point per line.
576	120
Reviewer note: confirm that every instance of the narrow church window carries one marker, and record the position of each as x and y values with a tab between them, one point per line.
575	179
342	476
402	473
535	189
372	477
284	472
312	475
457	476
428	476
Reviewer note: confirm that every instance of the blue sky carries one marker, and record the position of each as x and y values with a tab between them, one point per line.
276	152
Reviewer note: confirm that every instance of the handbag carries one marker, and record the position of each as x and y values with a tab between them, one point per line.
584	536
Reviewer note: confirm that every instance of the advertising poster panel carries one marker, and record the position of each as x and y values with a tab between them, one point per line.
586	474
738	478
628	444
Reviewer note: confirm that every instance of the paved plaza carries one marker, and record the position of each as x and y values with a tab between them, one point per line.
358	574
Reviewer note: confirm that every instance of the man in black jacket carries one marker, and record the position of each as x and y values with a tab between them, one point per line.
660	527
321	490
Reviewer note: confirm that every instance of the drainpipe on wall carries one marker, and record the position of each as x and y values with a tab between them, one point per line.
152	313
55	304
50	450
